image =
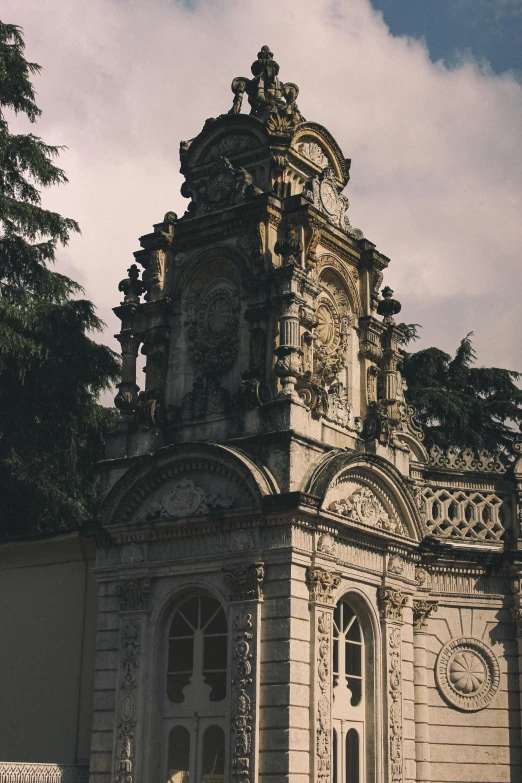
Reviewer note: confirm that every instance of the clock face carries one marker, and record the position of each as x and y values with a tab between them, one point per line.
221	186
329	197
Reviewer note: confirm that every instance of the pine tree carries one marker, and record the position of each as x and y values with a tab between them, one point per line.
51	371
459	404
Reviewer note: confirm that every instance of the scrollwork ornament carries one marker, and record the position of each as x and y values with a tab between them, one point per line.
467	674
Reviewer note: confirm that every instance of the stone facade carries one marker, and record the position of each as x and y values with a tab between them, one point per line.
291	588
272	465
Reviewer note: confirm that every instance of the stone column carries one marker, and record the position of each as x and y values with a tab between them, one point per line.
289	351
245	620
321	585
128	750
422	610
391	604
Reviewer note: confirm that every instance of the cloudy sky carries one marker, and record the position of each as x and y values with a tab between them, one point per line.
424	96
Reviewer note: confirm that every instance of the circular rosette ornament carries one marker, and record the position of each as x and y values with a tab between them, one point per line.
214	331
467	674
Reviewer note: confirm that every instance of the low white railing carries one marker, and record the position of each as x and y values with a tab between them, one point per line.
19	772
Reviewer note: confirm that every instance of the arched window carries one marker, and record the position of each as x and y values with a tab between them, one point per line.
348	696
195	692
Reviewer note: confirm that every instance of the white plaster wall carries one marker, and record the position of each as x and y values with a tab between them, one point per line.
48	616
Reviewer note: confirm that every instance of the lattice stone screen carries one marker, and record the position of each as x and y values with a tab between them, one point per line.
481	516
17	772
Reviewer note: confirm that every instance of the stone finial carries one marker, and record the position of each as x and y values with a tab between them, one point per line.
269	98
132	287
422	611
246	581
321	584
387	306
391	603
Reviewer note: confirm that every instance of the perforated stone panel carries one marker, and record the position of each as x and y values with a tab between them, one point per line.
482	516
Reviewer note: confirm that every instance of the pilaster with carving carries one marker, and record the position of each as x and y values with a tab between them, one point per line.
321	585
516	613
246	584
391	604
422	611
128	752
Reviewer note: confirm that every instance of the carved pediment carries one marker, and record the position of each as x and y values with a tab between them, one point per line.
190	497
363	504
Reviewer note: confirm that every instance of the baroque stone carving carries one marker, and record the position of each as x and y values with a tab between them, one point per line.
396	746
243	717
134	594
154	275
126	746
468	460
321	584
225	186
17	772
391	603
327	544
184	499
456	513
132	287
323	192
422	611
213	331
396	565
339	409
270	100
333	319
207	398
241	540
246	581
131	553
314	152
230	144
467	674
365	507
323	728
516	614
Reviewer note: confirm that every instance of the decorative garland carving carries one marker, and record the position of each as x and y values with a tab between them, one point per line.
396	754
134	594
242	750
324	679
422	611
184	499
18	772
467	674
246	581
321	584
391	603
365	507
126	747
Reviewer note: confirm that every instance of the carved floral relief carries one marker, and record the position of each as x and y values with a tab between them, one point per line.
184	499
467	674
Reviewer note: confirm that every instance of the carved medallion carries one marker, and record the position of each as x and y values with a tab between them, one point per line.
365	507
467	674
314	152
221	185
185	499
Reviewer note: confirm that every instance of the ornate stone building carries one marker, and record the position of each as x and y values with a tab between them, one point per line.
291	588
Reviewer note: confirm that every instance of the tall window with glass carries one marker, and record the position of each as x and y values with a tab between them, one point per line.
348	696
195	693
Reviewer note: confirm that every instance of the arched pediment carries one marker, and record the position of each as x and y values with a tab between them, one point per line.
228	136
363	489
329	269
317	145
184	481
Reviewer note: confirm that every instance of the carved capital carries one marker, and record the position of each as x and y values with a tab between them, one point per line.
246	581
134	594
422	611
391	603
321	584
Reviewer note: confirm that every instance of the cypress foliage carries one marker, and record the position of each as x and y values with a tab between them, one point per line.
51	371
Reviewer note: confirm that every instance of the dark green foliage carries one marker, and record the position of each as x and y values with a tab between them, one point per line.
51	372
459	404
